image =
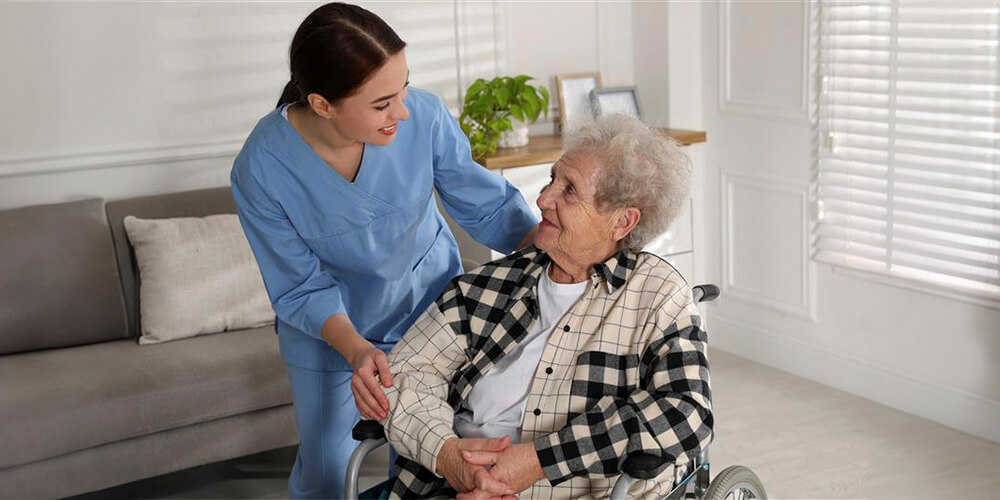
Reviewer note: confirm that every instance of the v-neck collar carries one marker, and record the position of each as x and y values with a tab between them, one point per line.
358	189
365	152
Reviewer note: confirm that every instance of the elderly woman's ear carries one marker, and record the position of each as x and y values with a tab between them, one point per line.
625	221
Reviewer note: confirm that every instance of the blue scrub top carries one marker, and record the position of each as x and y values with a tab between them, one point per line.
376	249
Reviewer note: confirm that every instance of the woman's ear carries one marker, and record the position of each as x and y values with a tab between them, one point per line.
320	105
625	221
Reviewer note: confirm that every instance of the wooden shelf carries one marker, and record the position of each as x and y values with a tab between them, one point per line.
548	149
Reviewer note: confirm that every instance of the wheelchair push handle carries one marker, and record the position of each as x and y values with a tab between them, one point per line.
705	293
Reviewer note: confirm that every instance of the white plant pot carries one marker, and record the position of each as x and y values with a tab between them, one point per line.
514	138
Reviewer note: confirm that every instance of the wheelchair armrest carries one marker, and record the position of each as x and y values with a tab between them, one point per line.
706	292
644	465
367	429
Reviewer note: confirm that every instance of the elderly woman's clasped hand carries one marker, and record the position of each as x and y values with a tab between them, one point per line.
462	462
516	467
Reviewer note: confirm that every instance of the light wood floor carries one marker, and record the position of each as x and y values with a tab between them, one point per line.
804	440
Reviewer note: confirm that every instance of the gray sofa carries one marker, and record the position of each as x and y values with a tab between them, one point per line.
82	405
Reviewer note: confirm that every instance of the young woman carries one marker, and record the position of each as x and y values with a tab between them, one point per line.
334	191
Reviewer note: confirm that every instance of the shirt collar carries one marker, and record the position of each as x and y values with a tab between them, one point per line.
615	270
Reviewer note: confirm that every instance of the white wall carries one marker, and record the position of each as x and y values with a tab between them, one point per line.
925	354
123	99
545	39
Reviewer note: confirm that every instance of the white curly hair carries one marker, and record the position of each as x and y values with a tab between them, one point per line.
641	168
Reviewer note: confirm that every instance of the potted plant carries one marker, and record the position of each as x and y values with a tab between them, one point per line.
491	105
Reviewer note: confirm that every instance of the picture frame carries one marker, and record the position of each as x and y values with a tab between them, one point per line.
616	100
575	104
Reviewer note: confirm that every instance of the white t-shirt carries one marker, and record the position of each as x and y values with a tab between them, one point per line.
495	406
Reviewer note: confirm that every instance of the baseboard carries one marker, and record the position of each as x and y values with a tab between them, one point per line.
947	406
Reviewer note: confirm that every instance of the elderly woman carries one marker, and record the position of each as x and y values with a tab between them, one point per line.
582	349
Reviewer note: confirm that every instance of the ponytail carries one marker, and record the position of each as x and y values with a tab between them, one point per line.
337	48
290	95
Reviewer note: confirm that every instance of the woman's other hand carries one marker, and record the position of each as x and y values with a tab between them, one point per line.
371	367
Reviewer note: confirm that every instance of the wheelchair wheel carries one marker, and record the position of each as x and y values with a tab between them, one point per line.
735	483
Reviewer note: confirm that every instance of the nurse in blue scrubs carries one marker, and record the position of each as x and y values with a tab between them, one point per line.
334	191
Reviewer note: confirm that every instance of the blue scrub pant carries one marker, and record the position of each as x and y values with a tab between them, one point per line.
325	413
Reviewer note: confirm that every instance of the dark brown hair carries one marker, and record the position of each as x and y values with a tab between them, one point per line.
335	50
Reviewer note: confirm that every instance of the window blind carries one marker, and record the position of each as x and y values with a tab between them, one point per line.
908	180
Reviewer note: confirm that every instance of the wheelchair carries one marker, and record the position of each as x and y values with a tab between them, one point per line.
691	480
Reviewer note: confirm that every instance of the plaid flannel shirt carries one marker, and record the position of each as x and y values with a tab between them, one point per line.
624	371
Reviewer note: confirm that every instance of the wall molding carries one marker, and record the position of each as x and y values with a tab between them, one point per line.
806	308
955	408
121	157
801	112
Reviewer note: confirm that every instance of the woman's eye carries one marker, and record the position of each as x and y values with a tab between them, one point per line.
570	189
382	107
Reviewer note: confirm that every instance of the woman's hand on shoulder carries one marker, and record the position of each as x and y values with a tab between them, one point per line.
371	369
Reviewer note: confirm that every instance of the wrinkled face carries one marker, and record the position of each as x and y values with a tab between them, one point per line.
573	231
373	113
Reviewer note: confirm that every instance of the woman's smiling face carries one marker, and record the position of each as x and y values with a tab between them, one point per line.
372	114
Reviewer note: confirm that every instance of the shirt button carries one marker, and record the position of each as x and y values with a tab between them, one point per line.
537	412
548	371
566	328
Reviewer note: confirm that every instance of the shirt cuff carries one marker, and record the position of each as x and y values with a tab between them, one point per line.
318	309
431	446
555	464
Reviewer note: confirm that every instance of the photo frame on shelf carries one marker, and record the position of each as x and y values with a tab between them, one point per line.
575	105
616	100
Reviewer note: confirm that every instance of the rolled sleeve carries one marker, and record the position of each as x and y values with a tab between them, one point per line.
485	204
302	293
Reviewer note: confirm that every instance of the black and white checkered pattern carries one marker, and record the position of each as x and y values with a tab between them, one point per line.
624	371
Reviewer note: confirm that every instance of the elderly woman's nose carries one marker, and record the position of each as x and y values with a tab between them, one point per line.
545	198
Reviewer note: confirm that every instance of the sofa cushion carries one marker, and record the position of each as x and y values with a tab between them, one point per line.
162	206
58	278
60	401
197	275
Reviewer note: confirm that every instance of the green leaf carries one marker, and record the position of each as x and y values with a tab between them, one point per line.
474	89
503	97
532	105
520	79
517	112
481	107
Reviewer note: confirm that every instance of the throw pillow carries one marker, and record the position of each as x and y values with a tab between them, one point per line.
197	275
